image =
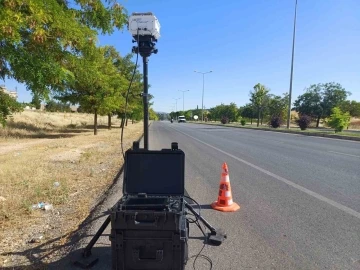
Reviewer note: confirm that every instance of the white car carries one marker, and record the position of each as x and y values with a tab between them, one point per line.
182	119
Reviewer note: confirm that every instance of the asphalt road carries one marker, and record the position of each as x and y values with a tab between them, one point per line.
299	197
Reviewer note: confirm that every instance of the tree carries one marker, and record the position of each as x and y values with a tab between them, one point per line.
319	99
310	103
39	37
8	105
153	115
333	95
126	68
53	106
36	102
352	107
95	84
257	98
247	111
338	119
188	115
277	106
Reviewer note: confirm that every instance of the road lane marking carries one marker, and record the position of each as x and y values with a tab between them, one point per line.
282	179
343	154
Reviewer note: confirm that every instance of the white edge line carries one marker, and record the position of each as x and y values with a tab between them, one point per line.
344	154
305	190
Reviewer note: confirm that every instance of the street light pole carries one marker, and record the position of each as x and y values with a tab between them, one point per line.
202	101
183	91
292	68
176	99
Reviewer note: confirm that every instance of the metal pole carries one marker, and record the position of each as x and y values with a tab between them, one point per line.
292	68
183	91
176	99
146	104
202	102
183	101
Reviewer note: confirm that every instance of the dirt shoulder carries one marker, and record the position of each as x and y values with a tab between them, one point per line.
71	173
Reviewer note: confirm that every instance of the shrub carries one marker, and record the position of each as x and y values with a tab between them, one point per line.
338	119
304	121
224	120
243	122
275	122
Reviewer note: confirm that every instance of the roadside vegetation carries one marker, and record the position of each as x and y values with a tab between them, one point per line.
53	159
322	107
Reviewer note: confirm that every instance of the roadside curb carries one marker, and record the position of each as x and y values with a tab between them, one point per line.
349	138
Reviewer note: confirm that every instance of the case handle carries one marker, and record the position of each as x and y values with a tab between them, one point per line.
158	257
153	222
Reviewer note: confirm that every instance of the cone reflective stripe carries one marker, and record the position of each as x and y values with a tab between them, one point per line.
225	202
225	173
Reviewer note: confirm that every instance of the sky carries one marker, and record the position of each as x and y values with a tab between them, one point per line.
244	42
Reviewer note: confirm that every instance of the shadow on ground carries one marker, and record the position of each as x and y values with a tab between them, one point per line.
38	256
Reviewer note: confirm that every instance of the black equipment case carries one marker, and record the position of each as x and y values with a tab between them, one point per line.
149	229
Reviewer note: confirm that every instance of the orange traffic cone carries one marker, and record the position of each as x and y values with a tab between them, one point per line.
225	202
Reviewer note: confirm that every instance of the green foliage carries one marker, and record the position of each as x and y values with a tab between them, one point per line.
338	119
36	102
40	37
53	106
352	107
247	111
258	98
8	105
243	122
188	115
153	115
277	106
319	99
230	112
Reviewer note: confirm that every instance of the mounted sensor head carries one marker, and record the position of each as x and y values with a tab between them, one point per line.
144	24
145	29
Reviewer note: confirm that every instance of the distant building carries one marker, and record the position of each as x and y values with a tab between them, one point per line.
10	93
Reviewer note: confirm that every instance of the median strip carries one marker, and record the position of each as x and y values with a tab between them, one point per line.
351	137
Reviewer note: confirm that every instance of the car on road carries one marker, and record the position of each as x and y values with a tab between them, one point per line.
182	119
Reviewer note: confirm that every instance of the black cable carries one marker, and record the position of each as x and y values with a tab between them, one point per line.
127	97
199	255
196	221
196	204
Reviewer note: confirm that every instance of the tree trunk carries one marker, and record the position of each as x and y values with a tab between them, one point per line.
318	121
262	117
109	121
126	122
258	120
122	122
132	121
251	120
95	122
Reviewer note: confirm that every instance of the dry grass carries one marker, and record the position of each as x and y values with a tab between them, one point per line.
84	165
38	124
355	123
